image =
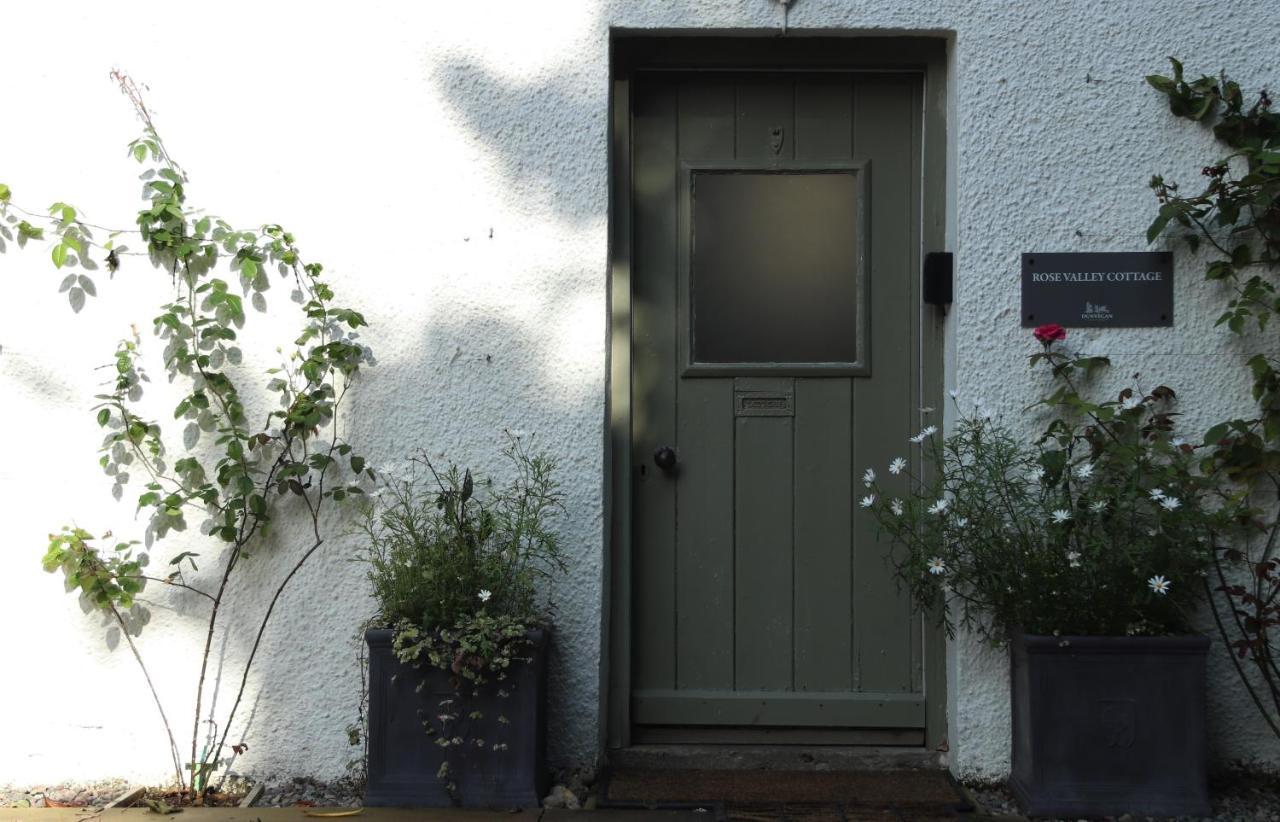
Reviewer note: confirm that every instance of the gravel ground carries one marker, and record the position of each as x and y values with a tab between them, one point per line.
66	793
298	791
1235	798
304	790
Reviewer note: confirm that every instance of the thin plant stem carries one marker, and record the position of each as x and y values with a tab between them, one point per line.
168	729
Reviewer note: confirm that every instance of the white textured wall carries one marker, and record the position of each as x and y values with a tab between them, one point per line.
392	138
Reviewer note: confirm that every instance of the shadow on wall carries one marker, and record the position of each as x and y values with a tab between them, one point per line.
452	389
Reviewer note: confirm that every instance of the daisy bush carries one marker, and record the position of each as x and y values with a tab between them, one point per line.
1102	525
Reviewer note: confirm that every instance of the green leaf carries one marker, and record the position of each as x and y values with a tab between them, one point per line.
104	416
1219	270
27	231
5	193
59	255
189	556
1157	226
139	152
357	464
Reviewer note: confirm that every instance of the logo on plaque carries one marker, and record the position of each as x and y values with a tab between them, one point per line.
1095	313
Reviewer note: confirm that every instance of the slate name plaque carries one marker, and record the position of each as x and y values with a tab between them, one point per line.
1115	289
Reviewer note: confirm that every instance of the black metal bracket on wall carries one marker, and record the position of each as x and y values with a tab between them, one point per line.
937	281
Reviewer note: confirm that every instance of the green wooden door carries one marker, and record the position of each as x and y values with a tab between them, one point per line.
776	349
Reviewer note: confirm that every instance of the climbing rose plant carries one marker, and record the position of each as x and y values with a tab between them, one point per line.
235	476
1235	216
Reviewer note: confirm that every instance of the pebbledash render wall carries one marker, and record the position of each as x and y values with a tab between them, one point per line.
448	162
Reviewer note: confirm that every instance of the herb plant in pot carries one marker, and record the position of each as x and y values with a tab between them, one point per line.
459	569
1083	549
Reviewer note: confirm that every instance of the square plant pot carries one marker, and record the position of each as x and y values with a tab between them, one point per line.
1104	726
405	758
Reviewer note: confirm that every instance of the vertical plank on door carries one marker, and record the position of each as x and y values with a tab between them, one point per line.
823	494
884	407
824	118
921	394
705	562
704	542
763	555
763	105
653	311
823	445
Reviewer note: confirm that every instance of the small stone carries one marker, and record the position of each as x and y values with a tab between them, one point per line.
561	797
62	795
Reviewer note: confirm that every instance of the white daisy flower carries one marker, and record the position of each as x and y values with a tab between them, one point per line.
1131	402
1084	470
1177	442
896	507
1098	506
937	566
897	465
1036	474
867	501
1170	503
868	477
484	594
1073	559
1159	584
1061	515
939	507
954	392
1157	494
925	433
960	522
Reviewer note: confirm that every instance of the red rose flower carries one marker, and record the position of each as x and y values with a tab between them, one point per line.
1050	333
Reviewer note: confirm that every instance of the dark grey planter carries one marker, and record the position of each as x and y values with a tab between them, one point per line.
404	758
1104	726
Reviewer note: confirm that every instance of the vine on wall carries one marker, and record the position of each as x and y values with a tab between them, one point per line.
1236	214
235	476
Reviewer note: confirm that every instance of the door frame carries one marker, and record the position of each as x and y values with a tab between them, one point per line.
633	52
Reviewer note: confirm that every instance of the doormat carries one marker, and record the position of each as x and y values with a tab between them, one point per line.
793	796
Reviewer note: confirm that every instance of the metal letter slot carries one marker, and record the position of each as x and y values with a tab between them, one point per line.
763	404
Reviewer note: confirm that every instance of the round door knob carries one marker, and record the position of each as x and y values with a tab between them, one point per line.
665	458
